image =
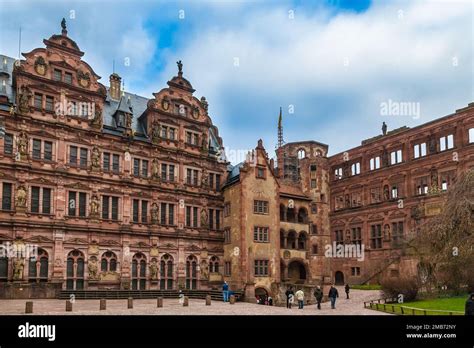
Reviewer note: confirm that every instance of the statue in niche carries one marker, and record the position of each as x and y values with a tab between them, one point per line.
432	144
386	193
385	158
154	213
94	210
22	146
155	132
204	103
24	99
95	158
20	198
18	267
97	120
204	142
155	169
153	270
204	218
204	269
386	232
93	268
205	178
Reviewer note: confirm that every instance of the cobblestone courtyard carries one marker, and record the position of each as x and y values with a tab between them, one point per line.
353	306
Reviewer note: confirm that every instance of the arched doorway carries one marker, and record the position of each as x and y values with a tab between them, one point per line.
261	295
339	278
296	272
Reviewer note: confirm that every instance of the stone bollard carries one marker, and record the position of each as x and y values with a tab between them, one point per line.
208	300
130	303
159	302
103	304
68	306
29	307
185	301
232	299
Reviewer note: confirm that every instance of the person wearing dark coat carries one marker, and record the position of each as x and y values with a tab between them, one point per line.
470	305
289	293
318	293
333	294
347	289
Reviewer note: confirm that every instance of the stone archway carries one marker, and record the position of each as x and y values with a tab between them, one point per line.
339	278
297	272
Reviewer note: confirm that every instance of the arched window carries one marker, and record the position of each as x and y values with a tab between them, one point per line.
166	272
108	263
139	272
302	241
291	240
214	265
3	269
301	154
38	267
302	215
282	239
75	270
191	272
290	215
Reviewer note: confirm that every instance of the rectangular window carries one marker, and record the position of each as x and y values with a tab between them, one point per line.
106	161
211	180
136	207
218	219
375	163
227	209
397	232
115	163
356	235
171	214
36	149
338	173
471	135
421	186
446	142
83	159
260	207
227	236
6	196
396	157
261	268
82	204
105	207
46	201
172	133
144	168
211	219
355	168
115	208
376	236
355	271
68	78
136	167
260	234
144	212
313	183
73	155
8	147
339	237
35	199
419	150
394	192
164	172
57	75
163	214
218	182
48	150
38	101
49	103
171	173
72	203
188	216
260	173
195	216
227	268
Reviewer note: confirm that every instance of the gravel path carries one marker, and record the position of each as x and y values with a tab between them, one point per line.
353	306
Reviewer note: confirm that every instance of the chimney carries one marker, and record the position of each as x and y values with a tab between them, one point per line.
115	83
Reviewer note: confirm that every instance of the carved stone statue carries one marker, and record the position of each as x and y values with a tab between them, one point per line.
24	99
128	121
386	232
18	267
348	201
204	218
434	177
153	270
155	132
20	199
384	128
96	122
205	178
180	66
155	169
432	144
93	268
204	142
94	206
154	213
204	270
204	103
95	158
386	193
22	146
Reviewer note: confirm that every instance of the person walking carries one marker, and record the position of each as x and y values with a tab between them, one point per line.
300	297
318	293
470	305
333	294
347	289
225	292
289	293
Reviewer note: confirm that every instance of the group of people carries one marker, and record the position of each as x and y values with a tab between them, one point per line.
265	300
318	294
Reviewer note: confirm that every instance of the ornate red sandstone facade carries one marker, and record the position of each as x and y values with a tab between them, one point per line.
118	191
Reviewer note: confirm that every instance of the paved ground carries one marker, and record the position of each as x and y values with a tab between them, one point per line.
353	306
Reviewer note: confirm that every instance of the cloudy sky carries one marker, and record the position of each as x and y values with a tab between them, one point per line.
334	66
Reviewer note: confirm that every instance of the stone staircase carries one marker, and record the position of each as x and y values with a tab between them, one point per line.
216	295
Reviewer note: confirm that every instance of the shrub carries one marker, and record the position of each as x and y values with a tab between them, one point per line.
393	287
